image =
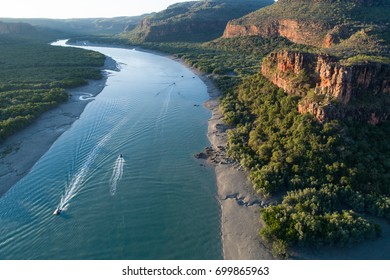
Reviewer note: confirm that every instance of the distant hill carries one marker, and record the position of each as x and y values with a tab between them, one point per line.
193	21
21	31
85	26
15	28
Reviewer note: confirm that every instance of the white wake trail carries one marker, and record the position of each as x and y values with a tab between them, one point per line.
78	179
117	173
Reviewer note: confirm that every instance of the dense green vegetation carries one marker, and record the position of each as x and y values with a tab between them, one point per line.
321	168
34	75
326	11
223	56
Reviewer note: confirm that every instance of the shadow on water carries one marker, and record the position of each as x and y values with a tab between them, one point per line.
64	215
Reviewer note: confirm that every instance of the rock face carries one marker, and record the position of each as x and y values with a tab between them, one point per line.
358	91
297	31
285	68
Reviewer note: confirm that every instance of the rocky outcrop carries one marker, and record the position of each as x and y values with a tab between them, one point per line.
338	33
330	111
236	30
297	31
289	71
332	90
215	155
343	82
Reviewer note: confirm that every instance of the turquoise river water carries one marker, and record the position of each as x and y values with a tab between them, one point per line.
155	202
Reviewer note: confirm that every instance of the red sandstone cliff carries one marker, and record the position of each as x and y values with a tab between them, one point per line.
334	89
297	31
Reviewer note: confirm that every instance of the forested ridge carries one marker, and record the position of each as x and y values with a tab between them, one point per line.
34	76
192	21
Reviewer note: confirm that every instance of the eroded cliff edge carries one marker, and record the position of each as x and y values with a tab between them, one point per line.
331	90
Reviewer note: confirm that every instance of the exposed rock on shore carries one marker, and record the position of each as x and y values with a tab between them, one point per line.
240	205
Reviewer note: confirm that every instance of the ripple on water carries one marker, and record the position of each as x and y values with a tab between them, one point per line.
164	204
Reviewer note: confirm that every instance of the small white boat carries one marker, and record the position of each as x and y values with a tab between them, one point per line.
57	211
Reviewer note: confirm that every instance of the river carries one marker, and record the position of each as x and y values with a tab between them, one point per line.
154	202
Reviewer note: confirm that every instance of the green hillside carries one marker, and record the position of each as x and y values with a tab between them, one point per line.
331	12
193	21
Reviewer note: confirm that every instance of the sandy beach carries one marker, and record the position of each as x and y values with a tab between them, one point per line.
21	151
240	205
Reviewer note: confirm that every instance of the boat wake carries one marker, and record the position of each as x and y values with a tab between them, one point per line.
117	173
72	189
78	179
